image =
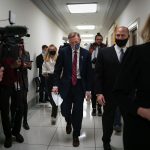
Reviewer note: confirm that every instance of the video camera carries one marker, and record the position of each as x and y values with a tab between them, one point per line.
10	38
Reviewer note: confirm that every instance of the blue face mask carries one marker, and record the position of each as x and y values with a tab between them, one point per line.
77	46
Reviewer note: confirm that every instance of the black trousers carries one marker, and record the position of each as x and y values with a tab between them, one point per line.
108	118
4	105
42	91
49	84
7	92
94	101
17	109
72	107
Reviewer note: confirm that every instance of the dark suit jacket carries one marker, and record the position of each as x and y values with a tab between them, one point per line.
63	70
134	76
106	70
39	63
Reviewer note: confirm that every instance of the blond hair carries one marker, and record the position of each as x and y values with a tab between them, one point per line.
145	33
47	56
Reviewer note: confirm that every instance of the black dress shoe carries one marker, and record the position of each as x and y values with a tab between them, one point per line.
26	126
19	138
107	146
68	128
117	128
94	112
76	142
8	142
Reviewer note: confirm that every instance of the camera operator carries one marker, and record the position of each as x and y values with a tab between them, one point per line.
10	36
7	88
94	48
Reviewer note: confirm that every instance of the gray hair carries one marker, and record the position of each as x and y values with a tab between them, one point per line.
73	34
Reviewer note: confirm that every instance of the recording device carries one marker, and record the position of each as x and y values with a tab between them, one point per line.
10	38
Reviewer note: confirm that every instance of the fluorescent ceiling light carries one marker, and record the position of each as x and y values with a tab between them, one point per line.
86	27
87	40
87	35
82	8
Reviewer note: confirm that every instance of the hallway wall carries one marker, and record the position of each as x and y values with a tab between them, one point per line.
136	10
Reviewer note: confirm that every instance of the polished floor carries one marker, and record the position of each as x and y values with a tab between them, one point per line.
44	136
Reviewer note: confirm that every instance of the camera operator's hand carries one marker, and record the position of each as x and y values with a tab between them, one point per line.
16	64
1	73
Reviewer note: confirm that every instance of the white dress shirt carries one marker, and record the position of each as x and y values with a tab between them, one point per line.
78	56
48	66
118	50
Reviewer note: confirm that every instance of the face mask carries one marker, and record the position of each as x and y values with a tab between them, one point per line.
43	52
77	46
121	43
52	52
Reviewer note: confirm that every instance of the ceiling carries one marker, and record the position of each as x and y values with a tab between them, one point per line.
107	13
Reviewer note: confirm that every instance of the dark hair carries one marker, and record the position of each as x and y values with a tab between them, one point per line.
44	46
98	34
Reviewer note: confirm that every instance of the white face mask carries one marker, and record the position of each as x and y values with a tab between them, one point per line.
43	52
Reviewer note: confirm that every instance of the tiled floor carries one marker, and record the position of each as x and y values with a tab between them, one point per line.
44	136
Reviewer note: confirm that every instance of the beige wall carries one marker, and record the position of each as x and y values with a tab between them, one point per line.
136	10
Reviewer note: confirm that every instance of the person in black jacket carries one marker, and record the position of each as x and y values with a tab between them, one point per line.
106	71
133	91
39	62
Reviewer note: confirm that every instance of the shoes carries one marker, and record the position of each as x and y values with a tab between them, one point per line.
99	113
76	142
8	142
107	146
117	128
94	112
19	137
53	121
25	125
68	128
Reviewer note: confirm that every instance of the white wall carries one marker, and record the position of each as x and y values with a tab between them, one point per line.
42	30
135	10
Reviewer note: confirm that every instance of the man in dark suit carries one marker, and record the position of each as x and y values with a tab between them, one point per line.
72	81
107	69
39	63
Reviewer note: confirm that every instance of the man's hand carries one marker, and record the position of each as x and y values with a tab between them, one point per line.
1	73
144	112
55	89
16	64
88	95
101	99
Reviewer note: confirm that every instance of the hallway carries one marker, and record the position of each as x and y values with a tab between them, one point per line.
44	136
